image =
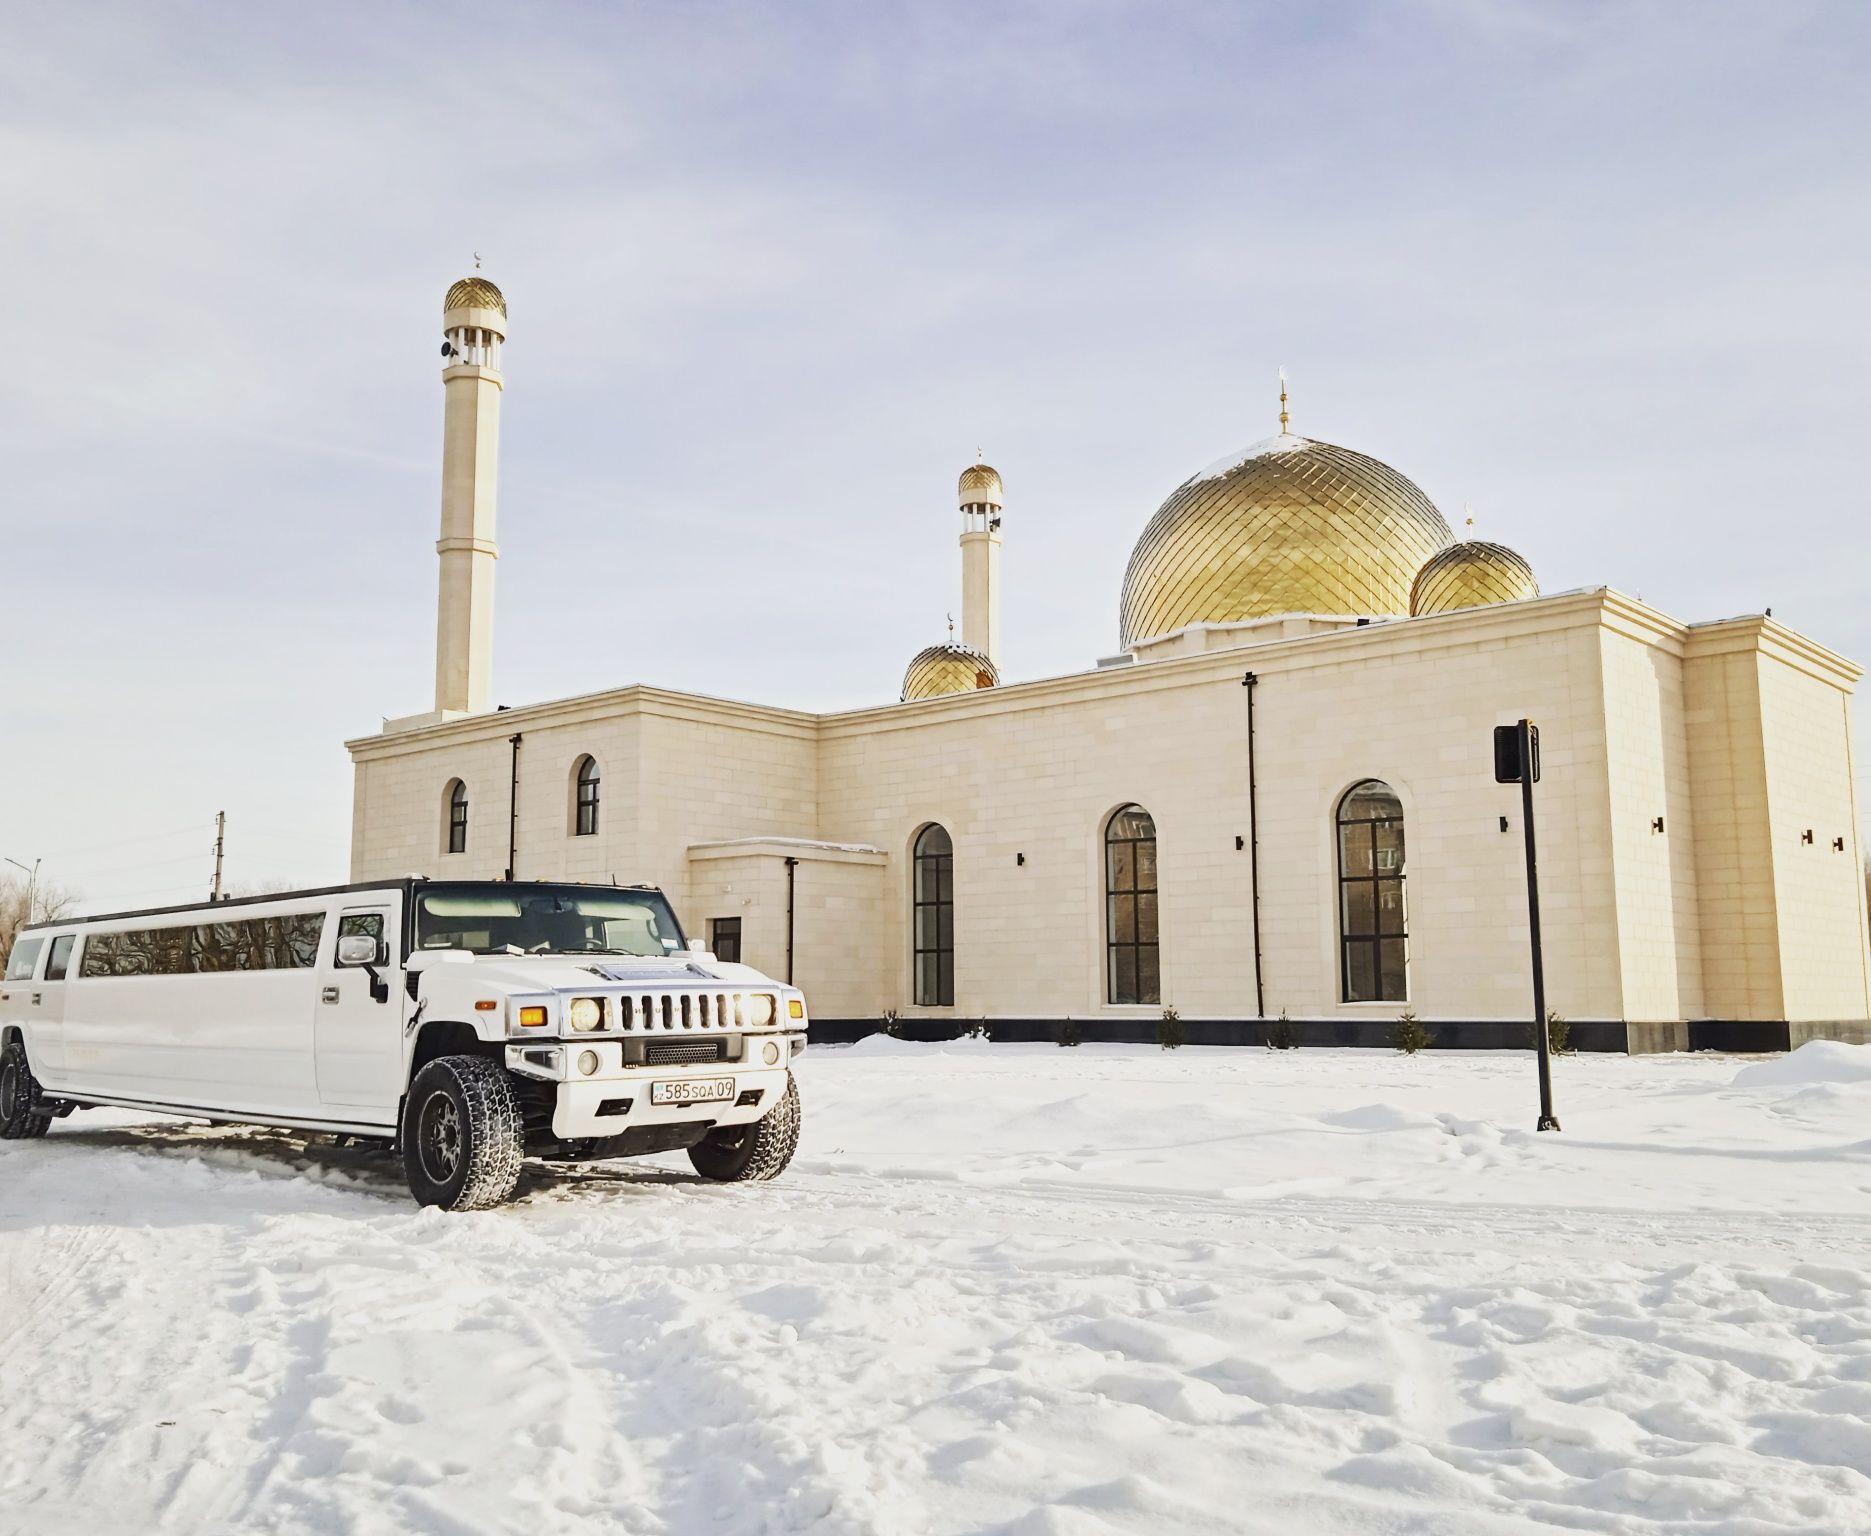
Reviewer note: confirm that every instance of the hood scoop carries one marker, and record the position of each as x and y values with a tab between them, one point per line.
636	973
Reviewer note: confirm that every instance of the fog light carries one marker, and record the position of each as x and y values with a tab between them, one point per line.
771	1051
587	1062
586	1013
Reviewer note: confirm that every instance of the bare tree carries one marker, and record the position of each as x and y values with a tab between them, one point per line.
49	901
267	887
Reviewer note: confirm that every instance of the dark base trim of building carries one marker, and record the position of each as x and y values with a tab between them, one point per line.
1603	1035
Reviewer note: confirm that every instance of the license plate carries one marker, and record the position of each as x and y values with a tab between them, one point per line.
692	1090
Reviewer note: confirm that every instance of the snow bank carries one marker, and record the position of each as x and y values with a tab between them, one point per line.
1816	1062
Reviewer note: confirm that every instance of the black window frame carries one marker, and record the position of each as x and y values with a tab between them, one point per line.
1372	854
455	839
585	781
57	959
932	918
1133	966
724	939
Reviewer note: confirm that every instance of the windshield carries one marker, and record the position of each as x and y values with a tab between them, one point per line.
546	919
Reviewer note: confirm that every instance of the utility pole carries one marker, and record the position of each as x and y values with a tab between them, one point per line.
32	888
220	848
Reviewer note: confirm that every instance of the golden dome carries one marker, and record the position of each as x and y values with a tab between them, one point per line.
1471	575
980	483
1288	526
474	293
949	668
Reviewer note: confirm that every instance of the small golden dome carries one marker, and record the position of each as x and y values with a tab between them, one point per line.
1288	526
980	485
1471	575
474	293
948	668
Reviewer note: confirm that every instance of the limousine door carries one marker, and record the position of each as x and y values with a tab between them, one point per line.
357	1030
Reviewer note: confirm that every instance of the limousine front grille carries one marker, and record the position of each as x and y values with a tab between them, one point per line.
666	1053
646	1011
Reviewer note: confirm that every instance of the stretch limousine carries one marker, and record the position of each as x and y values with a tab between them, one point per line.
468	1023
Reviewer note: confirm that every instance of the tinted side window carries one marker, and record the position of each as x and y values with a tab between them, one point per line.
59	960
25	957
288	943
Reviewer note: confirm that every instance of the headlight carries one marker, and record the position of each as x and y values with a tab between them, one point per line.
759	1011
585	1013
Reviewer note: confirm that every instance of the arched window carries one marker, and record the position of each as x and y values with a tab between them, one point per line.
457	802
585	797
1131	971
1373	938
933	898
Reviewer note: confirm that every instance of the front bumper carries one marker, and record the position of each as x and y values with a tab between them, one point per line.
616	1097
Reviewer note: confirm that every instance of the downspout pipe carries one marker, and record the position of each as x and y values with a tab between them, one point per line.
1248	681
513	807
792	885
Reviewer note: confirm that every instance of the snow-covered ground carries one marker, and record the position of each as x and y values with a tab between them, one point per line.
1004	1289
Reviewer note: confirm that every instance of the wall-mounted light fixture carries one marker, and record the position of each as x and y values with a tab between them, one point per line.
1019	858
1239	842
1807	835
1838	845
1656	824
1503	823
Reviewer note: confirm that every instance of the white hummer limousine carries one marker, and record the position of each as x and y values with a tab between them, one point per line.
467	1023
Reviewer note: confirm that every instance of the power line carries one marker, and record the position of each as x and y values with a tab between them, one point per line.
123	842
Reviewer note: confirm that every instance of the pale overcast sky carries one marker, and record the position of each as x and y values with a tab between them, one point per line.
774	274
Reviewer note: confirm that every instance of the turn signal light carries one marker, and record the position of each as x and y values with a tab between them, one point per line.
532	1018
486	1005
795	1008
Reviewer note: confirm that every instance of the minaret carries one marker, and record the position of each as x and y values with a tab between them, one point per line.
474	324
980	496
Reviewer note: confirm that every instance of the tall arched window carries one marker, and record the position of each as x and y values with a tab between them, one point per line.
457	802
585	797
1373	937
933	898
1132	974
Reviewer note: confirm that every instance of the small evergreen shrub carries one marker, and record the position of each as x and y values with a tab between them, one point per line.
1408	1034
974	1029
893	1026
1171	1032
1281	1036
1066	1033
1558	1035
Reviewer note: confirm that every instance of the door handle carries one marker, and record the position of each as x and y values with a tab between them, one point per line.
35	999
329	995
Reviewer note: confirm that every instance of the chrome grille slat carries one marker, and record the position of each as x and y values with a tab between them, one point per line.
680	1009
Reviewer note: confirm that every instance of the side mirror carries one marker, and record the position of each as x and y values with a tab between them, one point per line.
698	946
357	949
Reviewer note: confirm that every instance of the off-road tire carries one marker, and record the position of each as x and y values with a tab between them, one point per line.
738	1154
23	1111
462	1136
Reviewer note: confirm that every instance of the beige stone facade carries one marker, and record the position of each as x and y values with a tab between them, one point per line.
1698	832
1697	827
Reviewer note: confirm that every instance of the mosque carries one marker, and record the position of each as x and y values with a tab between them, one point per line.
1274	808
